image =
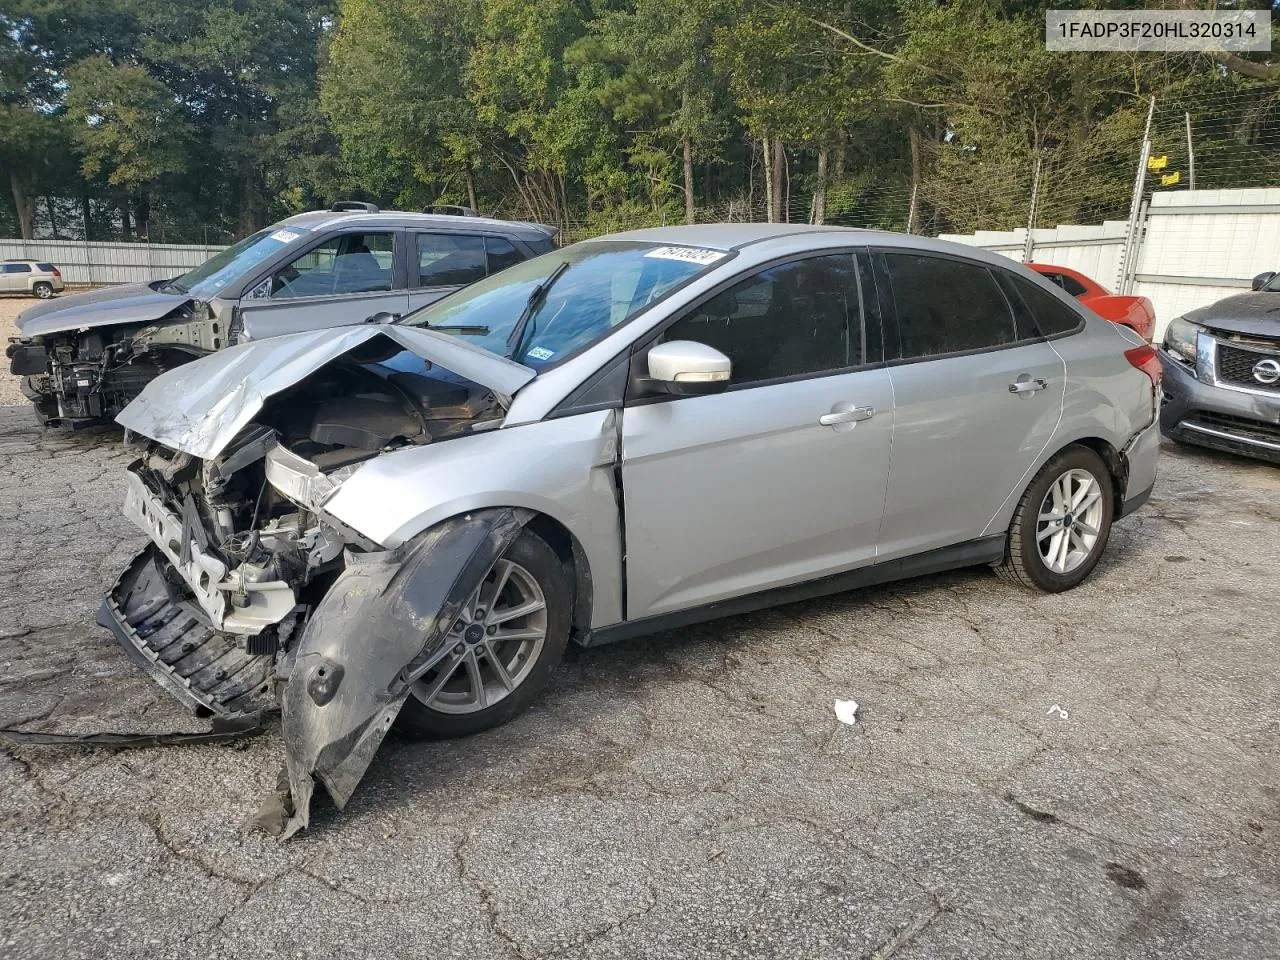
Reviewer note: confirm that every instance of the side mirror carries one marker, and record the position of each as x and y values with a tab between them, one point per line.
382	316
684	368
1262	279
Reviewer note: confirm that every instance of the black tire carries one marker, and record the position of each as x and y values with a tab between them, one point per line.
42	290
1023	564
556	582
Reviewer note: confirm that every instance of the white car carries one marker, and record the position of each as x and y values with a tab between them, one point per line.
41	280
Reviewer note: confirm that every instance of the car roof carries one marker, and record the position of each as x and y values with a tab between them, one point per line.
735	236
323	219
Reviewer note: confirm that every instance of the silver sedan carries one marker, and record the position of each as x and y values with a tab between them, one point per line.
411	520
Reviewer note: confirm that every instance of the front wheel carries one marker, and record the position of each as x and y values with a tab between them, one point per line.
507	641
1062	523
42	290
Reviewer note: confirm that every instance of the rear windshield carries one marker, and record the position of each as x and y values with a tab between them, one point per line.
208	279
601	286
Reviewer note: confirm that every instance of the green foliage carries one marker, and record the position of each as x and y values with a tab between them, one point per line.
212	117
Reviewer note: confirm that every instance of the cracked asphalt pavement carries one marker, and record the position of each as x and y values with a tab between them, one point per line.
692	794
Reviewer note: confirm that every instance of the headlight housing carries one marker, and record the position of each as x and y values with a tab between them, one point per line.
1180	339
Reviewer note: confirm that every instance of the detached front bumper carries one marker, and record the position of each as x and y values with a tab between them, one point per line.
257	604
1240	421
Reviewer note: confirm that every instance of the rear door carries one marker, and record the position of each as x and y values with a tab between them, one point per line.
977	397
738	492
340	279
441	262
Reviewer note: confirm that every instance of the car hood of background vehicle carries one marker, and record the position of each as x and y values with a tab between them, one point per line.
199	407
130	303
1252	314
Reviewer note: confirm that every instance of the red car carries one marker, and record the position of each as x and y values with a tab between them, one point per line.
1135	313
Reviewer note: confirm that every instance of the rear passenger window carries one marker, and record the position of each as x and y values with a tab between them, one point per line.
449	259
947	306
789	320
501	253
1052	316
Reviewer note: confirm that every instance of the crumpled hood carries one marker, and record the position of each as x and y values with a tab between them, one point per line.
199	407
129	303
1253	314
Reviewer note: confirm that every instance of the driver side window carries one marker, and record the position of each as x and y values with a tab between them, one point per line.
347	263
796	318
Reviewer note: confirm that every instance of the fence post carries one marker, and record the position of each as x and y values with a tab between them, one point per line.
911	211
1191	156
1123	281
1028	245
88	260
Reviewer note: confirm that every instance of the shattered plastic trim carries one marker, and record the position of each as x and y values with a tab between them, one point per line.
380	627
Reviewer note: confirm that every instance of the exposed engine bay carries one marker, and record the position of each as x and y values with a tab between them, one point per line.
84	377
242	553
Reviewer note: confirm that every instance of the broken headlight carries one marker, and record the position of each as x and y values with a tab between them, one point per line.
299	479
1180	339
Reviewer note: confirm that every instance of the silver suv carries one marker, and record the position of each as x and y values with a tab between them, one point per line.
85	356
630	434
32	277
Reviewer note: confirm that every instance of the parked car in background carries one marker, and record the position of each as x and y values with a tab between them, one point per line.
86	356
32	277
1222	373
1136	313
627	435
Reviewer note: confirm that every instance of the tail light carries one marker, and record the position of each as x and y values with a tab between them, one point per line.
57	272
1146	360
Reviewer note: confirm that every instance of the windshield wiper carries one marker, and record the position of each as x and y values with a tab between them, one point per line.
539	294
466	329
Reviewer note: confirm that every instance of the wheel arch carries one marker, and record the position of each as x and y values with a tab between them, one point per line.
1117	467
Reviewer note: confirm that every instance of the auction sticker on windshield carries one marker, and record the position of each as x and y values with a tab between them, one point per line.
285	236
687	254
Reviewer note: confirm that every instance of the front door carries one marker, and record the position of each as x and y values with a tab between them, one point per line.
779	479
343	279
977	397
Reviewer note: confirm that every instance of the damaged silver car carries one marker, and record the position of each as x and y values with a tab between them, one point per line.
83	357
410	521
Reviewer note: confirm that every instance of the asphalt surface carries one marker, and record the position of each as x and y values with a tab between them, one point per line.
692	794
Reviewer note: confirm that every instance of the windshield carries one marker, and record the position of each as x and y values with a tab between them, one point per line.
602	285
208	279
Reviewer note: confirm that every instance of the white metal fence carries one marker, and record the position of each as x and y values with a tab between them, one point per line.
96	263
1193	247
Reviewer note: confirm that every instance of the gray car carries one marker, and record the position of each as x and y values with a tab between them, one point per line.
412	520
1222	374
83	357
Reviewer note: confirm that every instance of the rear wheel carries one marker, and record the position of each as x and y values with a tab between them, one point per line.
508	639
1062	523
42	289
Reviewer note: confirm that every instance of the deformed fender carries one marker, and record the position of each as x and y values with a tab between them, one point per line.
381	626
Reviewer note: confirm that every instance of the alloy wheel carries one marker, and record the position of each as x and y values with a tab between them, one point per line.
1070	521
496	641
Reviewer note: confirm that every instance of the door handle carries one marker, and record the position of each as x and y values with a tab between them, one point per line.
846	413
1026	385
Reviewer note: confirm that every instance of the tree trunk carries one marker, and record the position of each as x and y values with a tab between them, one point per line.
25	207
820	190
767	146
912	213
840	146
471	190
126	223
142	216
53	217
86	215
778	165
687	147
